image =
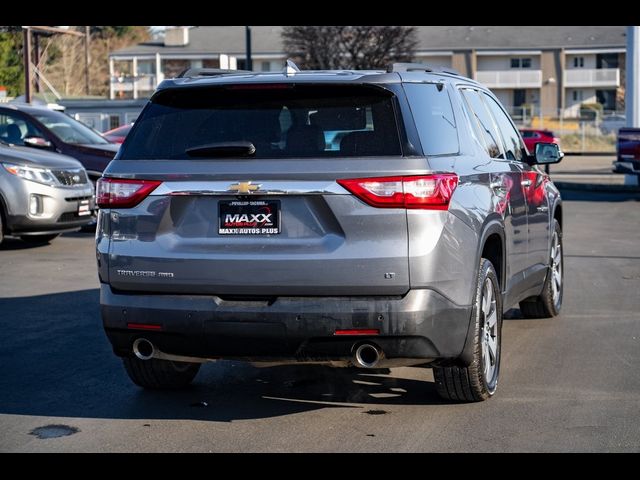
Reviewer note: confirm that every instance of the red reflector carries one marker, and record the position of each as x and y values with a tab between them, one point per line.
358	331
143	326
123	193
429	192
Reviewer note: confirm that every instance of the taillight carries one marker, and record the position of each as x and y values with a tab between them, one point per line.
123	193
429	192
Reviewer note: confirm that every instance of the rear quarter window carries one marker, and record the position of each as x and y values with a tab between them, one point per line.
433	115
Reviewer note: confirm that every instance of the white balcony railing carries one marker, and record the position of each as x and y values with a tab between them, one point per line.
516	78
126	83
592	77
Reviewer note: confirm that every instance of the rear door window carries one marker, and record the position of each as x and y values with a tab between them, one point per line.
514	148
433	115
279	120
484	123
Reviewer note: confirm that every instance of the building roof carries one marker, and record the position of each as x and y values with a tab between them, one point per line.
215	40
508	37
267	39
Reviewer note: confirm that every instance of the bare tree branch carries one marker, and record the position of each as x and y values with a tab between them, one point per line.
349	47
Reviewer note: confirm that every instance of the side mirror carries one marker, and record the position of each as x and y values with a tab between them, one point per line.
37	142
546	153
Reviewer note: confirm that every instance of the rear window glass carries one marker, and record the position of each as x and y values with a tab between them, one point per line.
432	112
280	121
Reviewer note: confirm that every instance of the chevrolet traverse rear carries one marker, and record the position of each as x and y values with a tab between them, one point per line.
357	218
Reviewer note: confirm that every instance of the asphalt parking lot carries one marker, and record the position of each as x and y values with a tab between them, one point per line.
567	384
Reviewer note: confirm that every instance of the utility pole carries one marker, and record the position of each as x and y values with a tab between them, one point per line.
86	59
249	61
632	94
26	47
36	56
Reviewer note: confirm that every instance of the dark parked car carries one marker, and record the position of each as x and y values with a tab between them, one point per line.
39	127
231	228
628	151
117	135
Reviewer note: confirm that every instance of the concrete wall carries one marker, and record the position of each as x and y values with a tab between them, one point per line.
495	62
572	107
443	61
464	62
589	60
551	64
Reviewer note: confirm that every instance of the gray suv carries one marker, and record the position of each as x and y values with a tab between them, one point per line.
233	225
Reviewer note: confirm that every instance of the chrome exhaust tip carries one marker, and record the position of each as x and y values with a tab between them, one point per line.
143	349
367	356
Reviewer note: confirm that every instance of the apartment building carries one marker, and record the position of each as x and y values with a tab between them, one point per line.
534	70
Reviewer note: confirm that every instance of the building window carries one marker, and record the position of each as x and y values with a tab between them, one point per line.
577	95
607	60
114	121
520	63
519	97
265	67
607	98
578	62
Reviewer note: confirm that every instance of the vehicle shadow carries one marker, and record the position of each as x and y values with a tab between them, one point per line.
598	196
10	243
15	243
58	362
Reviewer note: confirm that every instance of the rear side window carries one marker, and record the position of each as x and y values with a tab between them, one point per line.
279	120
484	123
433	115
512	144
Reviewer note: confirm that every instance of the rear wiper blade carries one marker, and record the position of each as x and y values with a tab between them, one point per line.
223	149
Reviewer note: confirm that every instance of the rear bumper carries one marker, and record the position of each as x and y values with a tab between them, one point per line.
630	166
419	325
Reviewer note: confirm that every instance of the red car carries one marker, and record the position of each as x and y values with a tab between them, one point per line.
531	137
117	135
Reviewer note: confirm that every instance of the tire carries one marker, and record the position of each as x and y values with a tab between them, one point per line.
157	374
1	225
549	303
478	381
39	238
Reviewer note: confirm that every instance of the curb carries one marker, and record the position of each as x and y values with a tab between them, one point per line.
590	154
597	187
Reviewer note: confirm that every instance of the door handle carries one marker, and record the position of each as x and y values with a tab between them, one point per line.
543	208
526	183
498	185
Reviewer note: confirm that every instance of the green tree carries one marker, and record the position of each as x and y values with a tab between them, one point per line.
349	47
11	69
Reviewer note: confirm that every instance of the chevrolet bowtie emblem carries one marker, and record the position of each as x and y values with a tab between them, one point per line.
243	188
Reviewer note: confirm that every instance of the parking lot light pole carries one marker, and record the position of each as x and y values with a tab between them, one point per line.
632	100
26	47
87	59
249	61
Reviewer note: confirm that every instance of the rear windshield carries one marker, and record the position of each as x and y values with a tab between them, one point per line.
283	120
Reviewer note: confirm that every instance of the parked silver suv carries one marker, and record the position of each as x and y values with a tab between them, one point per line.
232	228
42	194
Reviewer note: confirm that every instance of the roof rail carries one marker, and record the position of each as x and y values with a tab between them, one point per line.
420	67
209	72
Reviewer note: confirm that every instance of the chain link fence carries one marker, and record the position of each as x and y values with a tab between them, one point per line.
579	130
